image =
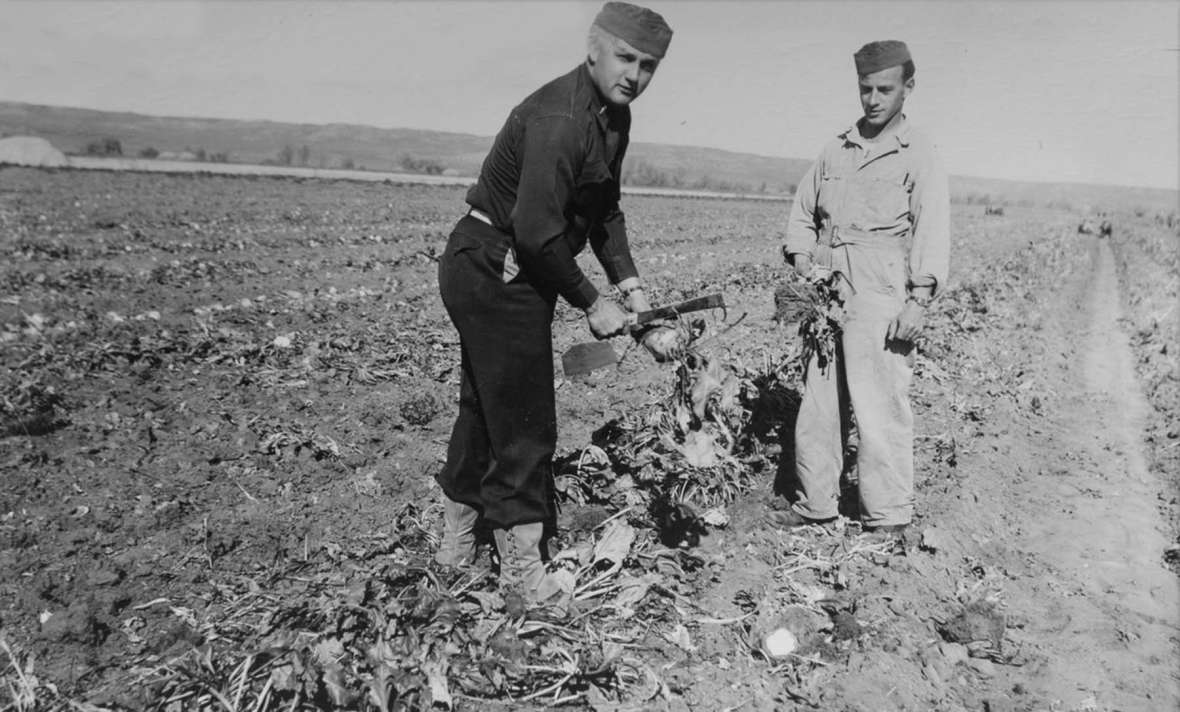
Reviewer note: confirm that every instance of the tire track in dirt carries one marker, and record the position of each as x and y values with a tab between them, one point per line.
1104	612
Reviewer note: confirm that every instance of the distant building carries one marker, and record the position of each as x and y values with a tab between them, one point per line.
177	156
30	151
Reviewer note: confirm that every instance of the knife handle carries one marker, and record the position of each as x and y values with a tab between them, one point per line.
633	321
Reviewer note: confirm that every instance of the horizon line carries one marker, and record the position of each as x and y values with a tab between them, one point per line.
1041	182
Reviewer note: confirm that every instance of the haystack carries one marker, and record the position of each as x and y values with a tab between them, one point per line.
30	151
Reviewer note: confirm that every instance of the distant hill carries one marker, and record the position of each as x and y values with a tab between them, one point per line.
1083	197
329	146
79	131
345	145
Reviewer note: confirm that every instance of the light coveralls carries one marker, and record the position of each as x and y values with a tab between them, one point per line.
883	209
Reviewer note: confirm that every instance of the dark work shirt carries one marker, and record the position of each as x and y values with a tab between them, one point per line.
551	180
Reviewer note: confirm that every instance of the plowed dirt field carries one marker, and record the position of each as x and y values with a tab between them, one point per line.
222	400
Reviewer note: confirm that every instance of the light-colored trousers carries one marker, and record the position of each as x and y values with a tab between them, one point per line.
877	375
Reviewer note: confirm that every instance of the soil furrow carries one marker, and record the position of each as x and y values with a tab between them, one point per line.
1107	624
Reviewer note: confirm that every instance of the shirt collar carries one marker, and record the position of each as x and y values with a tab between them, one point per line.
593	101
900	133
589	98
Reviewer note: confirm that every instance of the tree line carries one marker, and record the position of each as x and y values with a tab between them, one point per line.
638	173
642	174
113	147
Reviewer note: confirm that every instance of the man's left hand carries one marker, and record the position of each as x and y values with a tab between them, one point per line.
908	324
636	299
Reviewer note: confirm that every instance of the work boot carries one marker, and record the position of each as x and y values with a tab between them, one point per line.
457	547
521	568
523	576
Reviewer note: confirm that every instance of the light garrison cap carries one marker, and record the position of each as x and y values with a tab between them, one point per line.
876	56
639	27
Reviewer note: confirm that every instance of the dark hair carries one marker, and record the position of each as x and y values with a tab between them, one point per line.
907	70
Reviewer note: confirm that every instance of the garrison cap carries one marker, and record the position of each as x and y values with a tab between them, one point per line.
876	56
639	27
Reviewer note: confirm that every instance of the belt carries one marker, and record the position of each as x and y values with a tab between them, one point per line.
480	216
845	236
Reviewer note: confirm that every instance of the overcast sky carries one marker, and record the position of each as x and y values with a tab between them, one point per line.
1056	91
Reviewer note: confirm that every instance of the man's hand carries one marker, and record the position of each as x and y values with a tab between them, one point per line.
802	264
606	318
908	324
636	299
809	271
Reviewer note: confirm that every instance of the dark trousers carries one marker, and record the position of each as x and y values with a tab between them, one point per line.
500	458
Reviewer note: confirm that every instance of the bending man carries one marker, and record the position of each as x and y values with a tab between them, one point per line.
549	187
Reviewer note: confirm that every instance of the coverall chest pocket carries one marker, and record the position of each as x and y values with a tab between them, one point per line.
831	194
879	201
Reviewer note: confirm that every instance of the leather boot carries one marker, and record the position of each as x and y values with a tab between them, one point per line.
457	547
521	568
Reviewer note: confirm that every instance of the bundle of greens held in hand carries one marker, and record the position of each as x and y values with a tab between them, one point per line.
817	305
822	324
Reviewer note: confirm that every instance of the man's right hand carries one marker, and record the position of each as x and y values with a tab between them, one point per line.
808	271
802	264
606	318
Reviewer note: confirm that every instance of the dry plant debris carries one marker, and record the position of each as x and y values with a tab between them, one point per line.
197	402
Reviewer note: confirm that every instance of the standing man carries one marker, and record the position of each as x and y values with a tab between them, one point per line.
549	186
873	215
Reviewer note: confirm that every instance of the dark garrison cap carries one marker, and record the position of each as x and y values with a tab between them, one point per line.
876	56
639	27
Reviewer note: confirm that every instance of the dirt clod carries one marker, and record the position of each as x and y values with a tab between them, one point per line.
978	621
421	409
76	624
845	626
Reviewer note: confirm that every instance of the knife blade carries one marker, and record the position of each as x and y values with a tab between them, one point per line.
711	301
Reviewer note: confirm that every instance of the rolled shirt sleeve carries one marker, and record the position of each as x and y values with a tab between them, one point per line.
551	155
802	225
929	259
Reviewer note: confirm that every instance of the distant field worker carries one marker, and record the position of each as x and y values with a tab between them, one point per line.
871	214
549	187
